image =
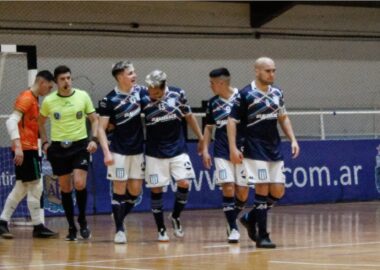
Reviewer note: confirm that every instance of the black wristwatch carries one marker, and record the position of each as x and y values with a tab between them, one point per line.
95	139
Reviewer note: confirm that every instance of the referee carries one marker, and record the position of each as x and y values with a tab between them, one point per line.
69	149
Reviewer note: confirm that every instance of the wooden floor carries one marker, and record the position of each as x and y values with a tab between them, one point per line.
330	236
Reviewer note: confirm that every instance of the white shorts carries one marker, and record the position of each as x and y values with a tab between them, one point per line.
259	171
226	172
159	171
126	167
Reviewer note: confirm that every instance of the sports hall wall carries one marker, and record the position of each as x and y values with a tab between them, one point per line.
316	72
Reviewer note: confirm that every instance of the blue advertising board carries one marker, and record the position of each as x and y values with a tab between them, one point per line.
325	172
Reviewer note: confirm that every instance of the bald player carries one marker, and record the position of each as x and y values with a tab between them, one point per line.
258	109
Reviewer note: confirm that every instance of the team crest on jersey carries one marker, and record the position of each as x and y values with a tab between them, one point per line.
57	116
79	115
132	99
171	102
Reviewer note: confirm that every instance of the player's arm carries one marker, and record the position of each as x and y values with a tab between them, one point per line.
12	128
236	156
103	124
92	145
287	128
43	134
207	161
192	122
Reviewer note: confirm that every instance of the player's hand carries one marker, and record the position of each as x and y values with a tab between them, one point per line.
45	147
207	161
19	156
236	156
295	149
108	159
91	147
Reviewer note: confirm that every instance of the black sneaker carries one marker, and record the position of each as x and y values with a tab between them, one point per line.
251	231
72	236
40	231
4	231
85	232
265	242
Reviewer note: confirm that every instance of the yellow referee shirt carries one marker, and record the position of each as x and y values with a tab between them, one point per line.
67	115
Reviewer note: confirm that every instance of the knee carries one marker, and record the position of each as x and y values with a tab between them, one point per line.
228	190
134	187
183	183
277	192
242	193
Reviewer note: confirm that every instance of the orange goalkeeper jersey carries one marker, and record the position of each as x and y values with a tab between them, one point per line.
27	103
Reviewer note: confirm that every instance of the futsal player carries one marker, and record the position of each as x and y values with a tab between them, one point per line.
165	108
69	150
120	109
258	109
228	175
22	128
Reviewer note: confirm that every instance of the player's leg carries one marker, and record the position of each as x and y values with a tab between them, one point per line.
241	188
134	186
80	162
182	171
157	175
33	199
17	194
80	182
66	187
118	174
277	187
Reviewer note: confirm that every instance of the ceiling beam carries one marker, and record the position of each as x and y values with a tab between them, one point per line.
263	12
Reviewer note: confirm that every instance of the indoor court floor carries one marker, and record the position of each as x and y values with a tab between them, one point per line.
327	236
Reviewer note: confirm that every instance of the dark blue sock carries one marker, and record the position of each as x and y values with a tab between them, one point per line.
130	201
118	203
157	205
259	214
239	206
181	197
229	211
272	201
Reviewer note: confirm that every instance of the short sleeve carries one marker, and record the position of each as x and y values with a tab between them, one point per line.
103	107
209	117
89	107
23	102
282	109
183	106
238	108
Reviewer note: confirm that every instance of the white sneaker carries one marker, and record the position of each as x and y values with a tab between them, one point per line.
177	228
234	236
163	236
120	238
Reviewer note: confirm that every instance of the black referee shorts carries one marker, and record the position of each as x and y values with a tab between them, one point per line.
64	160
30	168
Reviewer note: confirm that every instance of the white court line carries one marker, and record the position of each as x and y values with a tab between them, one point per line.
108	267
83	263
218	246
326	264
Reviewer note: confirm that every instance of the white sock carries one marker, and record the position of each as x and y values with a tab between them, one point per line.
17	194
33	199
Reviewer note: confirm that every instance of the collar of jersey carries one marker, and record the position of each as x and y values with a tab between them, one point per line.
253	85
235	91
66	96
118	91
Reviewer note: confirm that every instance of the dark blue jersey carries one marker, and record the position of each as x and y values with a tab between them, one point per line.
258	112
163	120
124	111
218	110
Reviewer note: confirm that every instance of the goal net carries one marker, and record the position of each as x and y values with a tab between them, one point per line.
13	78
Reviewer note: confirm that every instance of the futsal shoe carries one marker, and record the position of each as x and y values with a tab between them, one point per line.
163	236
4	231
234	236
177	228
120	238
251	230
265	242
40	231
85	232
72	235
